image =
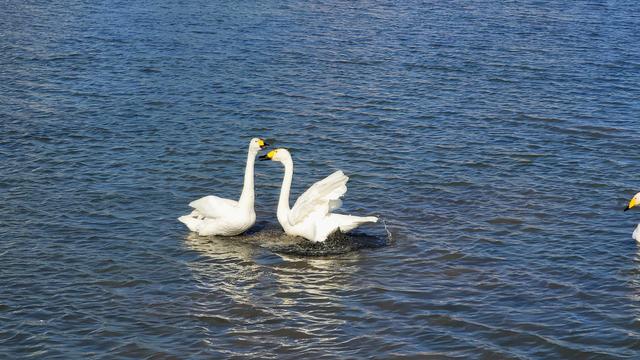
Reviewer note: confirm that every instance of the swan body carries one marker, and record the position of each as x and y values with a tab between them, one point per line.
633	203
213	215
311	216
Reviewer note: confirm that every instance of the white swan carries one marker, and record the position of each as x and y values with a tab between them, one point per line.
311	216
217	216
635	200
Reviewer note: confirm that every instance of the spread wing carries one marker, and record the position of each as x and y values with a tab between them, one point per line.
323	196
213	206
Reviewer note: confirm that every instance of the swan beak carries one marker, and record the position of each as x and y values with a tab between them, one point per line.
262	144
632	203
268	156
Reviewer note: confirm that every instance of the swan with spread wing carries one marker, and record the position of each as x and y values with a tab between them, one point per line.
311	216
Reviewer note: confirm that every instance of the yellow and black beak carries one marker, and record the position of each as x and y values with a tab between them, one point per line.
632	203
262	144
268	156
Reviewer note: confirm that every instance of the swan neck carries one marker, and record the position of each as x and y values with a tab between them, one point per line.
247	197
283	202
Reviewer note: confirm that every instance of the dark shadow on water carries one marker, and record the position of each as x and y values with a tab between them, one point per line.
337	243
275	240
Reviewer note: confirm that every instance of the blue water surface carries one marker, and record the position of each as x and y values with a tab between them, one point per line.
498	140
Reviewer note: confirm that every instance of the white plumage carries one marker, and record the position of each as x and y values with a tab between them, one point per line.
213	215
321	197
635	201
311	216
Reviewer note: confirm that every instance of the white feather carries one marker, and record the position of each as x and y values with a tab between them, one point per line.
214	207
214	215
311	216
322	197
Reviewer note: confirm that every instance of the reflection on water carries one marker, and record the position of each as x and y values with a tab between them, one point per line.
635	282
294	296
219	246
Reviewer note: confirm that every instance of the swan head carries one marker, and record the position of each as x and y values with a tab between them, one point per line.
276	155
257	144
635	201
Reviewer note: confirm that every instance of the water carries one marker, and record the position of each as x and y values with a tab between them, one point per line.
498	141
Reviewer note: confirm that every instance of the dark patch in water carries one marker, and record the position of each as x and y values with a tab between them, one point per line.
337	243
275	240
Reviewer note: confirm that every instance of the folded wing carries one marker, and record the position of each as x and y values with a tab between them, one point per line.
213	206
323	197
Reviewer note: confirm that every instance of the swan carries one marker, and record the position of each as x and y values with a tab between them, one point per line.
213	215
635	200
311	216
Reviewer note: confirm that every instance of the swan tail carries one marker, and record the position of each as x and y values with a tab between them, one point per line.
193	223
349	222
344	223
204	226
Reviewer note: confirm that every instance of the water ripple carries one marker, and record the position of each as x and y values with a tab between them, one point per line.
495	140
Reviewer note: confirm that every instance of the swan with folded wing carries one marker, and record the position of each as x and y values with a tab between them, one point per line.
213	215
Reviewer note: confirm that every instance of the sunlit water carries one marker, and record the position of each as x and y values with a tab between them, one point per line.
499	141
